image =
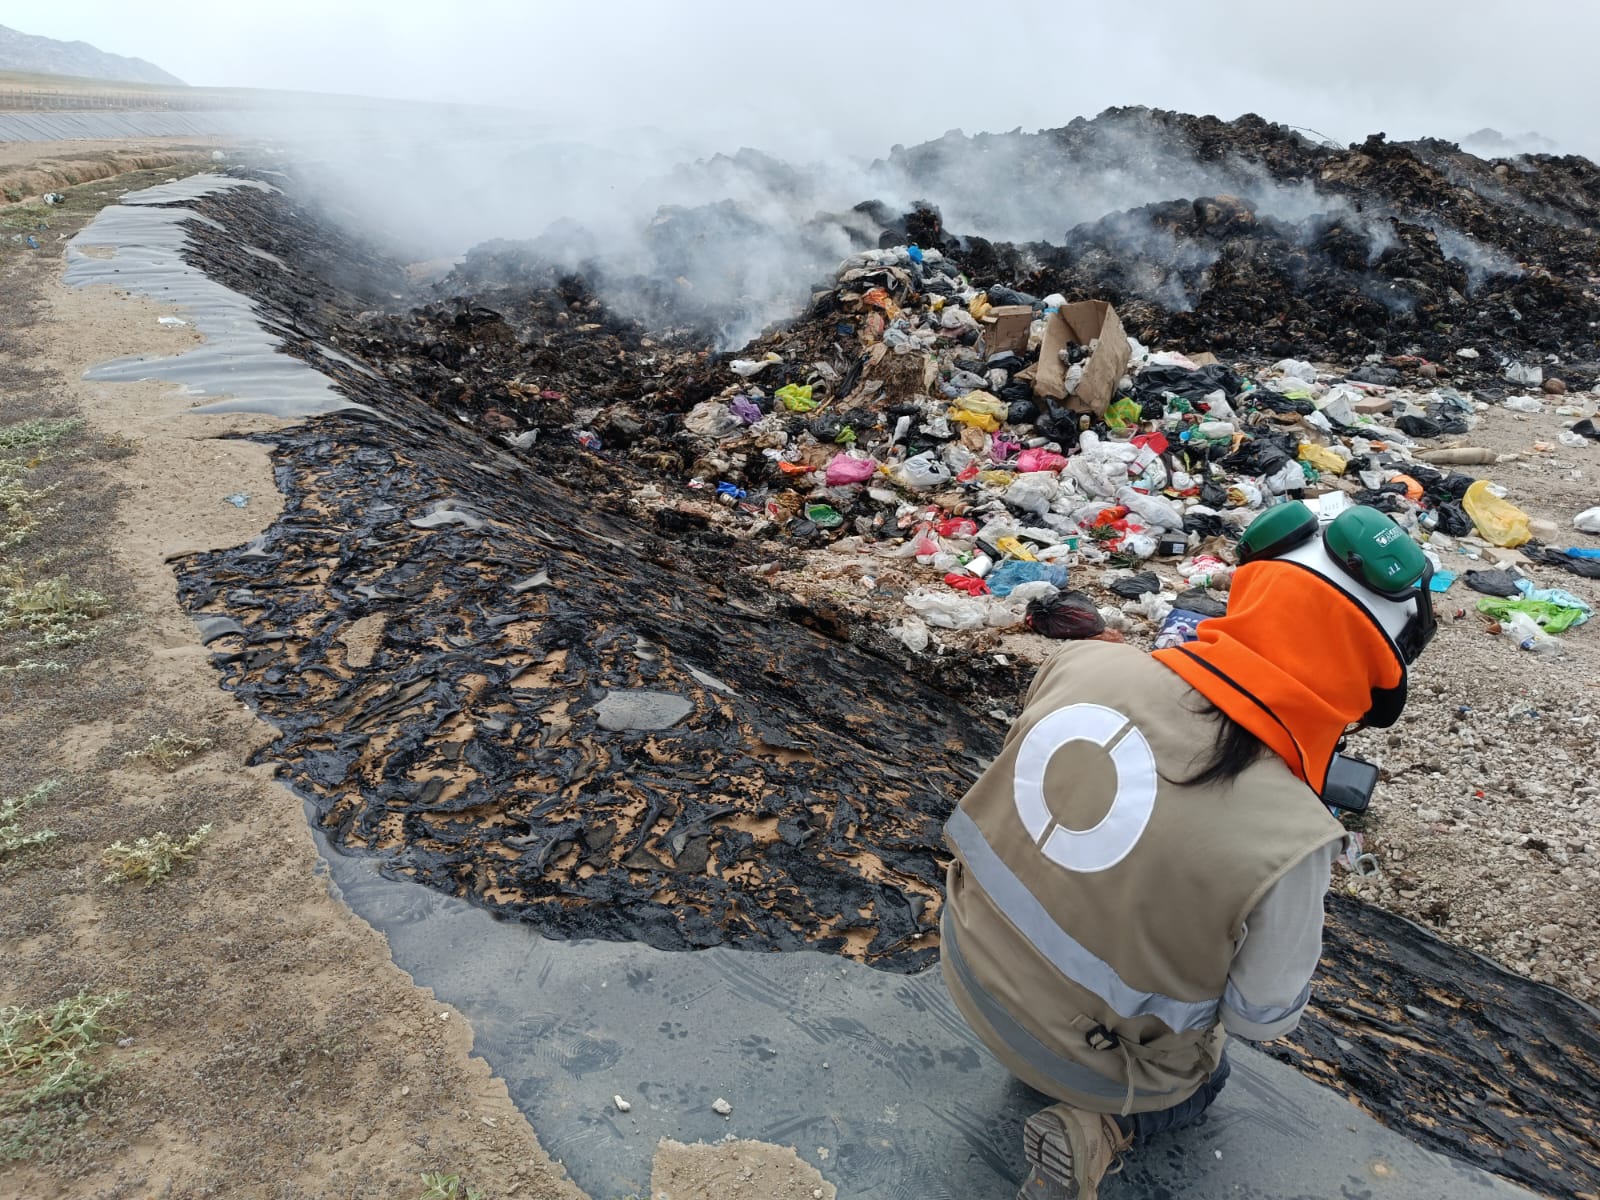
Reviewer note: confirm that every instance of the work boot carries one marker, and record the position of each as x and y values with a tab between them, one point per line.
1069	1151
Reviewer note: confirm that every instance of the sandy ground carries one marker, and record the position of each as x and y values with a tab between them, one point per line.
269	1046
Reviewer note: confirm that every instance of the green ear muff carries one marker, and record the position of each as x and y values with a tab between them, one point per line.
1376	552
1276	532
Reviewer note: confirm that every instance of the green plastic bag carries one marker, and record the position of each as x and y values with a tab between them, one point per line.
823	516
1552	618
1123	413
797	397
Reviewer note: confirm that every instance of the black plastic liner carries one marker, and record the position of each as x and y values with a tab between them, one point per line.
797	801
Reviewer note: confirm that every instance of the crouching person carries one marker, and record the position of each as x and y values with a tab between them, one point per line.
1141	871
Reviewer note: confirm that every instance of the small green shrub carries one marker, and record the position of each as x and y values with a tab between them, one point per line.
151	859
167	751
439	1186
48	1065
12	839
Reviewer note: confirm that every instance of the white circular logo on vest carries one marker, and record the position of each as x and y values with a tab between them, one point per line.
1107	843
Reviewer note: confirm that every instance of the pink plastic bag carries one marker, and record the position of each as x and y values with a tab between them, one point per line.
1040	460
846	468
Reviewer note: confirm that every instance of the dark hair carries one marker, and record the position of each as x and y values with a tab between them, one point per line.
1235	749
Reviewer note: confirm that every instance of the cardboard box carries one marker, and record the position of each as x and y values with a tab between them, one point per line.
1007	328
1079	324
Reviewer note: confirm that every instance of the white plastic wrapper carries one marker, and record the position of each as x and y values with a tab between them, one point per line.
1588	521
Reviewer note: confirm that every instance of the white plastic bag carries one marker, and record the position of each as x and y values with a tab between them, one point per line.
1153	510
921	471
912	634
1524	404
1033	492
1296	368
1588	521
948	610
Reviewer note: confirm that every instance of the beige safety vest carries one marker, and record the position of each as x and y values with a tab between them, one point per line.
1094	907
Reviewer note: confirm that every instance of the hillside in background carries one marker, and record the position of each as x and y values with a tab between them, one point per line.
47	56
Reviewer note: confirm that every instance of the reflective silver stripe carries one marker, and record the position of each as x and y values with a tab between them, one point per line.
1071	1076
1065	953
1259	1014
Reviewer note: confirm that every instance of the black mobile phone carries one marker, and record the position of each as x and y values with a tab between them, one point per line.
1350	783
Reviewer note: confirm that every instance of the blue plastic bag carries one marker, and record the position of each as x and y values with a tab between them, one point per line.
1014	572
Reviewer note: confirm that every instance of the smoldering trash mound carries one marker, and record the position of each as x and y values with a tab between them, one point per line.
624	634
1242	236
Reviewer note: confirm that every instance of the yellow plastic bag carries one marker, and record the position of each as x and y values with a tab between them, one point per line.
1497	521
984	421
978	305
980	410
1323	459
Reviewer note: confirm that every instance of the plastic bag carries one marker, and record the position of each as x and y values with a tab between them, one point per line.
1008	574
1453	519
912	634
1040	460
1288	478
1588	521
846	469
1154	511
1323	458
1132	586
921	471
711	419
796	397
1493	583
948	610
1524	404
1033	493
1123	413
1497	521
1067	615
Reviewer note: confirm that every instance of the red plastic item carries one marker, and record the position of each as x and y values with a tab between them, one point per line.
957	527
1157	442
970	584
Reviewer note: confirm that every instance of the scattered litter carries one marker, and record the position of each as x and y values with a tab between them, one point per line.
621	1104
721	1107
238	499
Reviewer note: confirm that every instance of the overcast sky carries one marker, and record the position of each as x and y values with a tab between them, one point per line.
860	77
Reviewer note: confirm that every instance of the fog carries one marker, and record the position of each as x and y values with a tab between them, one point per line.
575	124
857	78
